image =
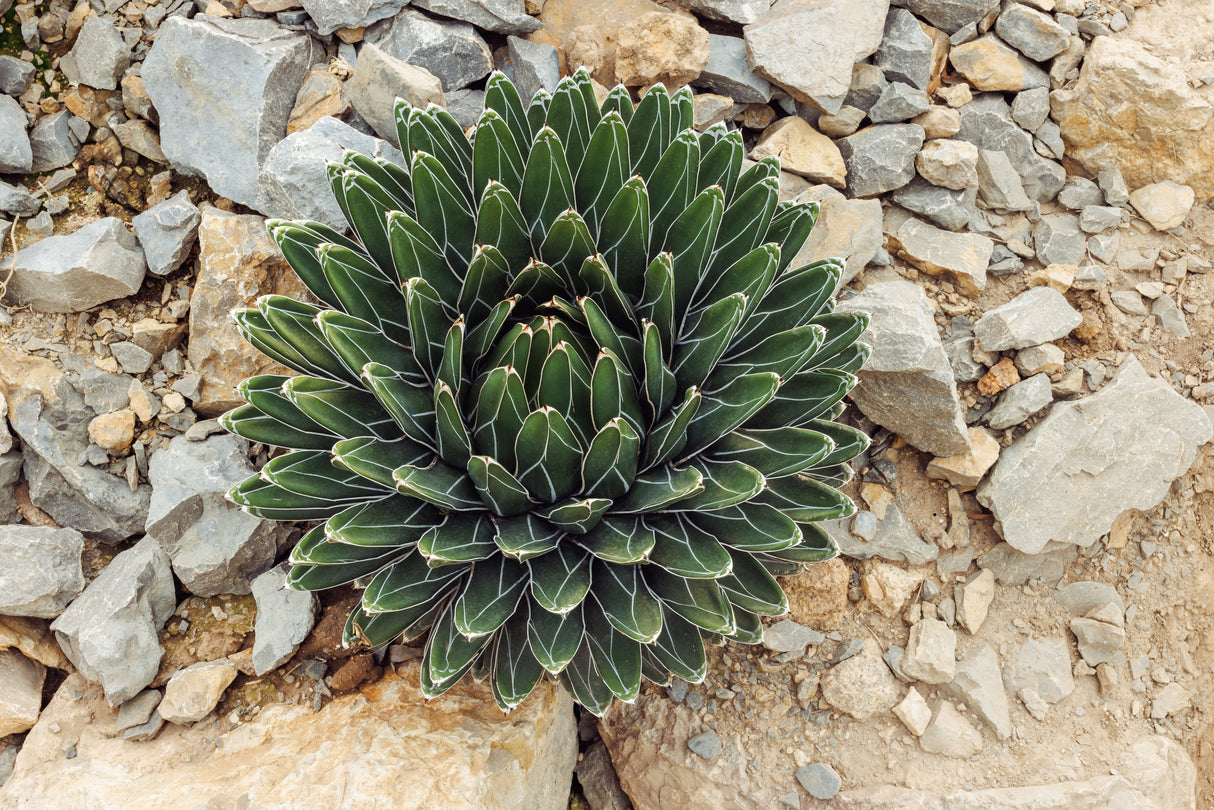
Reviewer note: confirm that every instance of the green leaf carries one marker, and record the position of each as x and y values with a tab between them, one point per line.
368	630
481	337
294	323
648	131
782	354
570	117
265	393
496	155
501	491
722	411
415	254
548	455
751	527
750	275
659	488
554	638
792	301
547	184
721	162
623	347
526	536
454	442
584	682
560	579
271	502
315	549
365	204
626	601
375	459
358	342
749	628
576	515
536	283
618	101
804	499
409	584
624	236
461	538
679	647
443	486
790	229
622	539
537	110
500	223
343	409
612	394
673	183
842	330
726	483
434	131
815	546
610	464
515	668
764	169
851	359
849	442
567	245
392	177
485	285
686	550
657	300
802	398
682	108
751	588
443	210
429	322
603	170
704	340
298	242
698	601
564	385
451	369
411	409
744	223
449	654
250	423
502	97
256	331
616	656
659	381
392	521
669	436
776	452
501	407
491	596
837	475
598	281
364	290
690	240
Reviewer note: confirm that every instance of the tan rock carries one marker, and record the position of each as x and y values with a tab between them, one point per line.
193	692
1058	277
1165	204
33	639
849	229
951	734
144	404
1044	359
930	653
948	163
961	257
274	6
965	471
350	35
939	122
1133	109
843	123
802	150
974	599
586	47
710	108
988	64
757	116
20	692
321	94
238	262
955	95
457	751
817	597
113	431
660	47
861	686
914	712
380	79
889	587
155	337
1000	377
584	31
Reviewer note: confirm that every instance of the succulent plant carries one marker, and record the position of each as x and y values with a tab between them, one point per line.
563	403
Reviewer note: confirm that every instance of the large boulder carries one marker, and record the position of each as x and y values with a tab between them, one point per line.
384	743
225	90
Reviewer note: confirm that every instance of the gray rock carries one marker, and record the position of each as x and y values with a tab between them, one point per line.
214	547
1169	317
1098	218
946	207
110	632
951	15
987	123
789	637
907	385
16	200
498	16
905	54
293	182
21	683
224	90
1100	635
950	734
1089	276
536	66
1079	193
1021	401
42	225
8	756
168	232
1012	567
868	82
1031	108
15	75
379	80
452	51
809	47
466	106
1113	185
1049	141
1103	247
329	15
1057	239
99	57
960	353
1036	316
849	229
53	142
102	391
728	72
10	474
16	155
597	778
138	710
1031	32
896	539
100	262
930	654
1092	459
133	359
898	102
999	183
284	618
736	11
41	574
881	158
979	685
1043	665
706	745
819	780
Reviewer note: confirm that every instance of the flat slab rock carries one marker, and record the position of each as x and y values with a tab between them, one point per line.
1090	460
366	744
98	263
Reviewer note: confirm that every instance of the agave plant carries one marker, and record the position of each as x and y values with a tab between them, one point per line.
564	404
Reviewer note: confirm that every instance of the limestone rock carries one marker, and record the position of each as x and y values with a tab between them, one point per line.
498	16
330	15
987	123
98	263
979	685
736	11
379	79
808	47
110	631
974	598
378	739
861	686
536	66
238	262
951	209
907	385
224	90
729	73
849	229
930	652
41	574
660	47
966	470
600	785
881	158
1021	401
1036	316
168	232
961	257
1099	635
284	618
896	539
898	102
192	693
99	57
16	154
990	65
951	15
20	692
914	712
453	51
905	54
1092	459
1165	205
1034	34
321	94
1043	665
948	163
802	150
950	734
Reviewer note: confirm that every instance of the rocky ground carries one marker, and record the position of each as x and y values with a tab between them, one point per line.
1023	193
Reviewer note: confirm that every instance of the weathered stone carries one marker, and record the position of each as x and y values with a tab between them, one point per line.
1034	34
1043	665
536	66
868	82
1058	239
110	631
987	123
948	163
881	158
950	15
330	15
974	598
20	692
1113	185
224	90
466	106
284	618
238	262
861	686
16	154
914	712
452	51
660	47
802	150
1099	218
950	734
321	94
808	47
293	182
819	780
498	16
379	79
966	470
1012	567
1169	316
979	685
939	122
888	587
961	257
930	652
709	109
1037	316
1170	700
1001	376
1099	635
843	123
192	693
729	73
41	574
1031	108
53	142
1081	598
600	785
99	57
948	208
459	746
1133	110
1021	401
905	54
988	64
907	385
849	229
1120	449
168	232
788	636
15	200
999	184
115	431
15	75
138	710
1165	205
898	102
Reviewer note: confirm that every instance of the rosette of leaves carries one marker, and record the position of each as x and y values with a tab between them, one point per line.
564	404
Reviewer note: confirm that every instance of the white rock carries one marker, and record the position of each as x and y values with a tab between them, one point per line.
914	712
1165	205
193	692
930	652
950	734
20	692
974	599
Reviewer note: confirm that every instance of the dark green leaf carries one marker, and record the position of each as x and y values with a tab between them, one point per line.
815	546
842	329
626	601
750	275
554	638
443	486
802	398
500	223
849	442
673	183
624	236
584	682
683	549
449	654
617	658
526	536
726	483
751	588
751	527
704	340
657	301
698	601
612	394
720	163
776	452
576	515
411	408
567	245
375	459
250	423
491	596
294	323
690	240
679	647
408	584
443	210
502	97
496	155
792	301
549	457
515	668
744	224
722	411
485	285
804	499
415	254
610	464
547	184
343	409
358	343
560	579
429	322
365	292
659	488
669	436
648	131
622	539
392	521
501	407
271	502
570	117
460	538
790	229
501	491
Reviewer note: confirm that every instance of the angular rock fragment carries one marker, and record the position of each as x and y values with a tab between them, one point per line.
729	73
979	685
41	573
452	51
168	232
881	158
193	692
1037	316
284	618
